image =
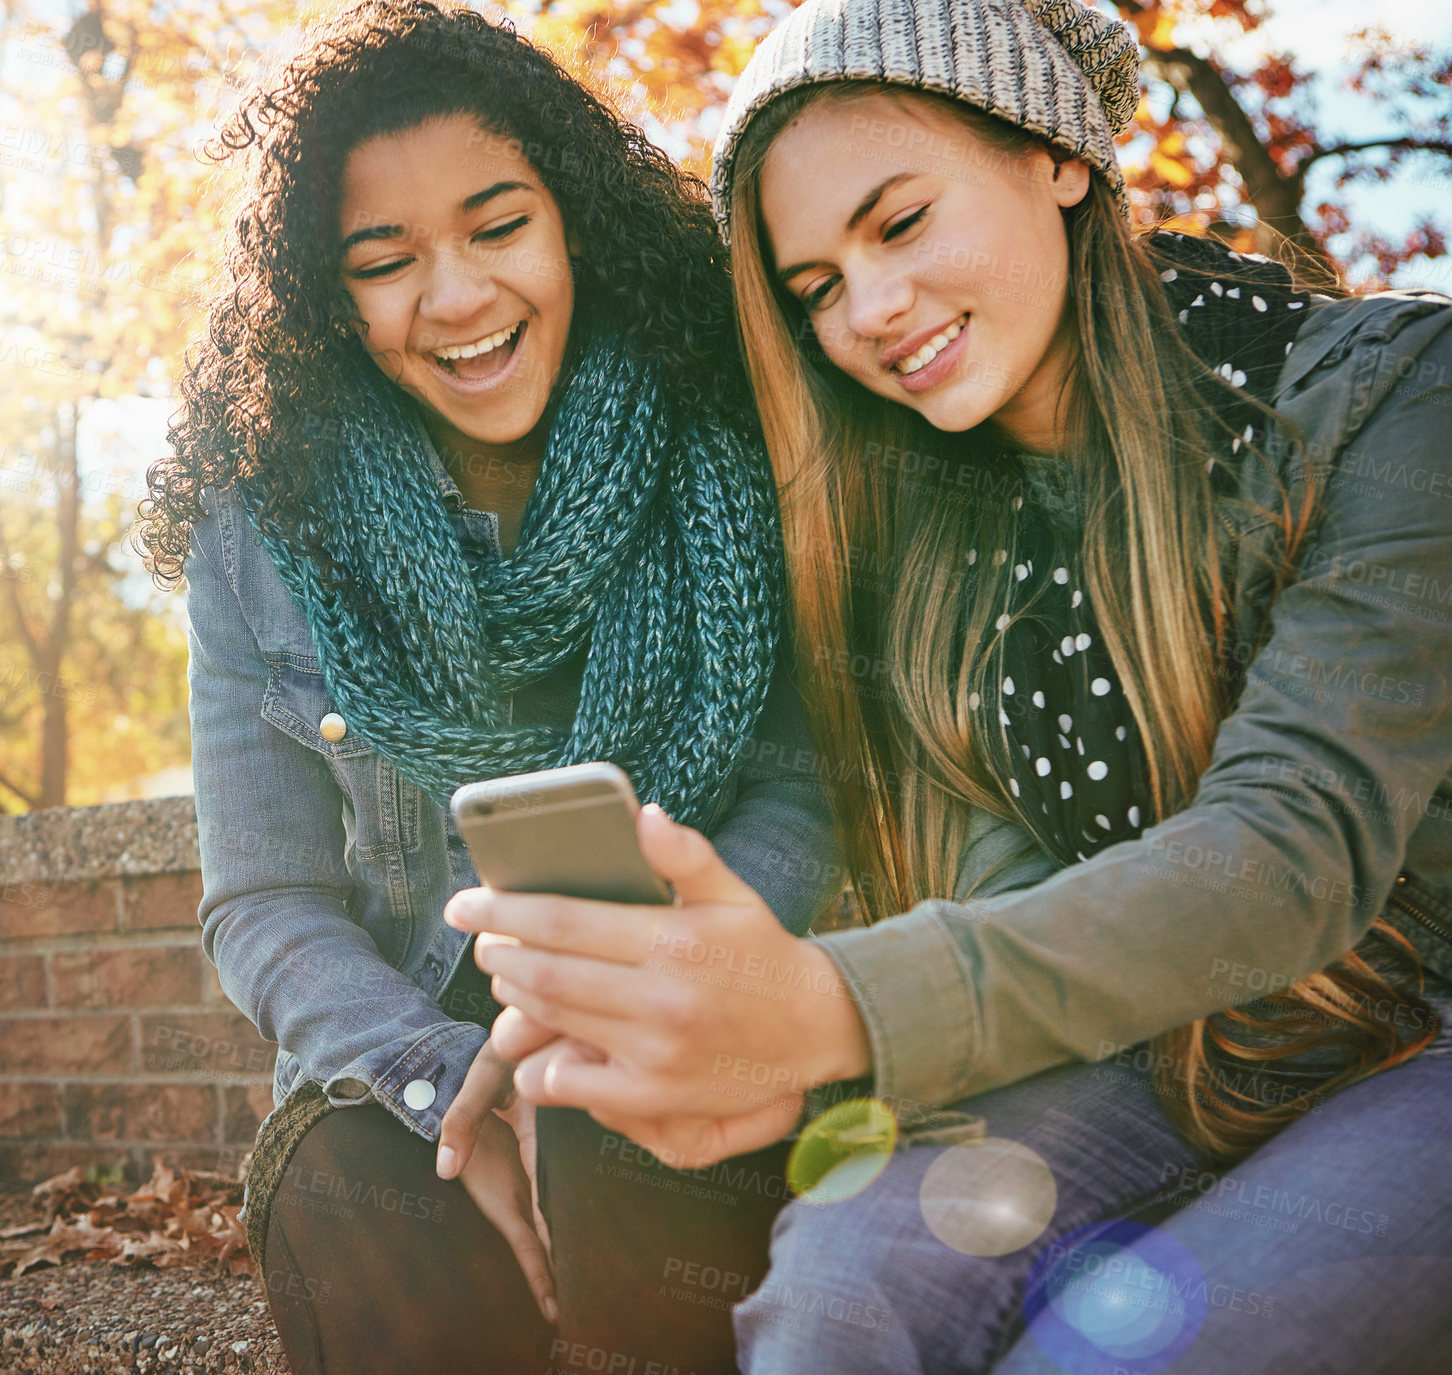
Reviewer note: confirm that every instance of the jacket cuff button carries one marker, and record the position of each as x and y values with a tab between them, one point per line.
332	727
418	1094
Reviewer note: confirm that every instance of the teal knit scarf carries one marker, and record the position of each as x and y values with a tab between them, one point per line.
651	536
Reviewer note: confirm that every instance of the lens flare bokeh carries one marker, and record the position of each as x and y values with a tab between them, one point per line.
988	1197
841	1152
1115	1298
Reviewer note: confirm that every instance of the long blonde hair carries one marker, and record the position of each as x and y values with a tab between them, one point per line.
890	655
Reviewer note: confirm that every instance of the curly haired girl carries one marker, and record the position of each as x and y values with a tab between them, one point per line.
466	482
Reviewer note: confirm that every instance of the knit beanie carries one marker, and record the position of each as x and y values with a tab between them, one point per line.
1057	67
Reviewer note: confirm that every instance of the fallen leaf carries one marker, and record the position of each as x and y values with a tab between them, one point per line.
178	1217
22	1231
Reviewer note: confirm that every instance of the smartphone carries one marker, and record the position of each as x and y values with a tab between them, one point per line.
569	831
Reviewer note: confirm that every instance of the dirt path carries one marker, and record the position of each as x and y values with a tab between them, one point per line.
95	1318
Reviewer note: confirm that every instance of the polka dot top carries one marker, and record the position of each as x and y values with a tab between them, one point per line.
1077	773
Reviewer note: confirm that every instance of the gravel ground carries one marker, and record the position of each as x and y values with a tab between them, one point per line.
95	1318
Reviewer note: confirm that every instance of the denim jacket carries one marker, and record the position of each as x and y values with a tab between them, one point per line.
325	871
1327	800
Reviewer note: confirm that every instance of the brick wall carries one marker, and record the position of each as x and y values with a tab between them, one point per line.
117	1043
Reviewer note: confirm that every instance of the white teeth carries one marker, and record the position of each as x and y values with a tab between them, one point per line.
485	345
915	362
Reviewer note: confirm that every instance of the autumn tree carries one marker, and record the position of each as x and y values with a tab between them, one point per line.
1217	138
103	228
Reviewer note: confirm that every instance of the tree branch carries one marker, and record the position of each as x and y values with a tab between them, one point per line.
1275	195
32	646
1426	145
25	797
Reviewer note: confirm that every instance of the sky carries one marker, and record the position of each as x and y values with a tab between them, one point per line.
1315	30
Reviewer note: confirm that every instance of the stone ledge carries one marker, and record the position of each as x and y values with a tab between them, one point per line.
155	835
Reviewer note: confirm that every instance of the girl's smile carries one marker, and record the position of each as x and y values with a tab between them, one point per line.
923	365
481	365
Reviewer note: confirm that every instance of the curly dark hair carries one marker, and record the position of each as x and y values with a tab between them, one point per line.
281	357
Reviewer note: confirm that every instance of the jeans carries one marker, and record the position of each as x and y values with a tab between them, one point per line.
1328	1249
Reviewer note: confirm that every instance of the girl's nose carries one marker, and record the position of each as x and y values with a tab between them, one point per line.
877	302
458	288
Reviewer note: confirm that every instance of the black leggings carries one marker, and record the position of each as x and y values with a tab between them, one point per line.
405	1274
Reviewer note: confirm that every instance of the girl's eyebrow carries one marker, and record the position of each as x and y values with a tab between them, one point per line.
864	209
498	189
396	231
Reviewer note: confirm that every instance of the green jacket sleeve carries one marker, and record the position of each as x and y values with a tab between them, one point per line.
1300	824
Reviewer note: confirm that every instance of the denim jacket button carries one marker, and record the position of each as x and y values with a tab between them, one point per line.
418	1094
332	727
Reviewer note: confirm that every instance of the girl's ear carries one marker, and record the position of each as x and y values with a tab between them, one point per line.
1071	182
